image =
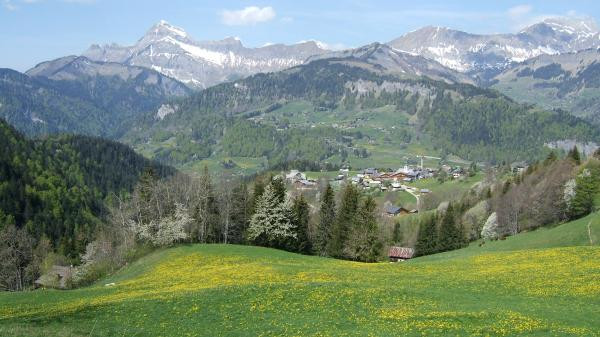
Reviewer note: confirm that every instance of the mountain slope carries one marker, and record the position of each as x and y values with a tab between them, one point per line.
172	52
383	59
56	187
457	118
76	95
568	81
483	56
126	94
36	108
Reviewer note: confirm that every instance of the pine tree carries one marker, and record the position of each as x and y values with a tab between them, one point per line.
279	187
574	154
240	213
550	158
449	237
344	220
427	237
259	189
586	188
326	221
364	244
300	219
397	234
270	225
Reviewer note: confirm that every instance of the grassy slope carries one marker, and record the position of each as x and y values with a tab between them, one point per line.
234	290
574	233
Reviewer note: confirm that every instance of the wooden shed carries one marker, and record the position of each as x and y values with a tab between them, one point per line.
400	253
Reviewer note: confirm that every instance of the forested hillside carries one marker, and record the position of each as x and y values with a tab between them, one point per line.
35	108
76	95
55	188
343	95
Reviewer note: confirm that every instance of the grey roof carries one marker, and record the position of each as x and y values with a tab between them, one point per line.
391	209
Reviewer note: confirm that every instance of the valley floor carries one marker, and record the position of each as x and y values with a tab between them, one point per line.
216	290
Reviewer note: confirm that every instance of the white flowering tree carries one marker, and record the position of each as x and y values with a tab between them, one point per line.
271	223
165	231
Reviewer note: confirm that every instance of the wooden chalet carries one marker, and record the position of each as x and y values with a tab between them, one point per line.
391	210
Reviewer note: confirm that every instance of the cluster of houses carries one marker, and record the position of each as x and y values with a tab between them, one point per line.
299	180
455	172
394	180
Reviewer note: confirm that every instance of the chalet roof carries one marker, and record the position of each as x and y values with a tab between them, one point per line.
401	252
370	171
56	276
391	209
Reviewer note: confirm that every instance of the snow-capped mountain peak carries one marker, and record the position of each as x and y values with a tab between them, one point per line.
486	55
573	26
163	27
171	51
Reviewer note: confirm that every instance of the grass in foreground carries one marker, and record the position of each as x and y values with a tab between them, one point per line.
217	290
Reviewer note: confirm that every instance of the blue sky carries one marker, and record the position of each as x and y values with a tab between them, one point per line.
32	31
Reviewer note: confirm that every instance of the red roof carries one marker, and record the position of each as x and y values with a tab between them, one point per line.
401	252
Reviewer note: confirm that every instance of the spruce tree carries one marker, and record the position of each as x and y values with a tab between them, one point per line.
427	237
586	188
240	213
449	237
257	192
344	220
279	187
574	155
550	158
397	234
300	219
364	243
326	221
271	225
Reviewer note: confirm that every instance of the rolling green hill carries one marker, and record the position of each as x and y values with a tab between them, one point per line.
504	289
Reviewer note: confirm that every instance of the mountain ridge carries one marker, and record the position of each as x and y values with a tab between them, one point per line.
200	64
485	55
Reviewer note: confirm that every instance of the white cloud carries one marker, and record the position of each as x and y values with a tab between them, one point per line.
8	5
247	16
519	11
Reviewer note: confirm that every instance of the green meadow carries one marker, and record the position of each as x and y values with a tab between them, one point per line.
540	283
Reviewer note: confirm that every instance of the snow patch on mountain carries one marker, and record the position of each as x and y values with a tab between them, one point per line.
483	56
164	110
172	52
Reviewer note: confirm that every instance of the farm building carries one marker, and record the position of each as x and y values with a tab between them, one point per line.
391	210
57	277
295	175
400	253
305	184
